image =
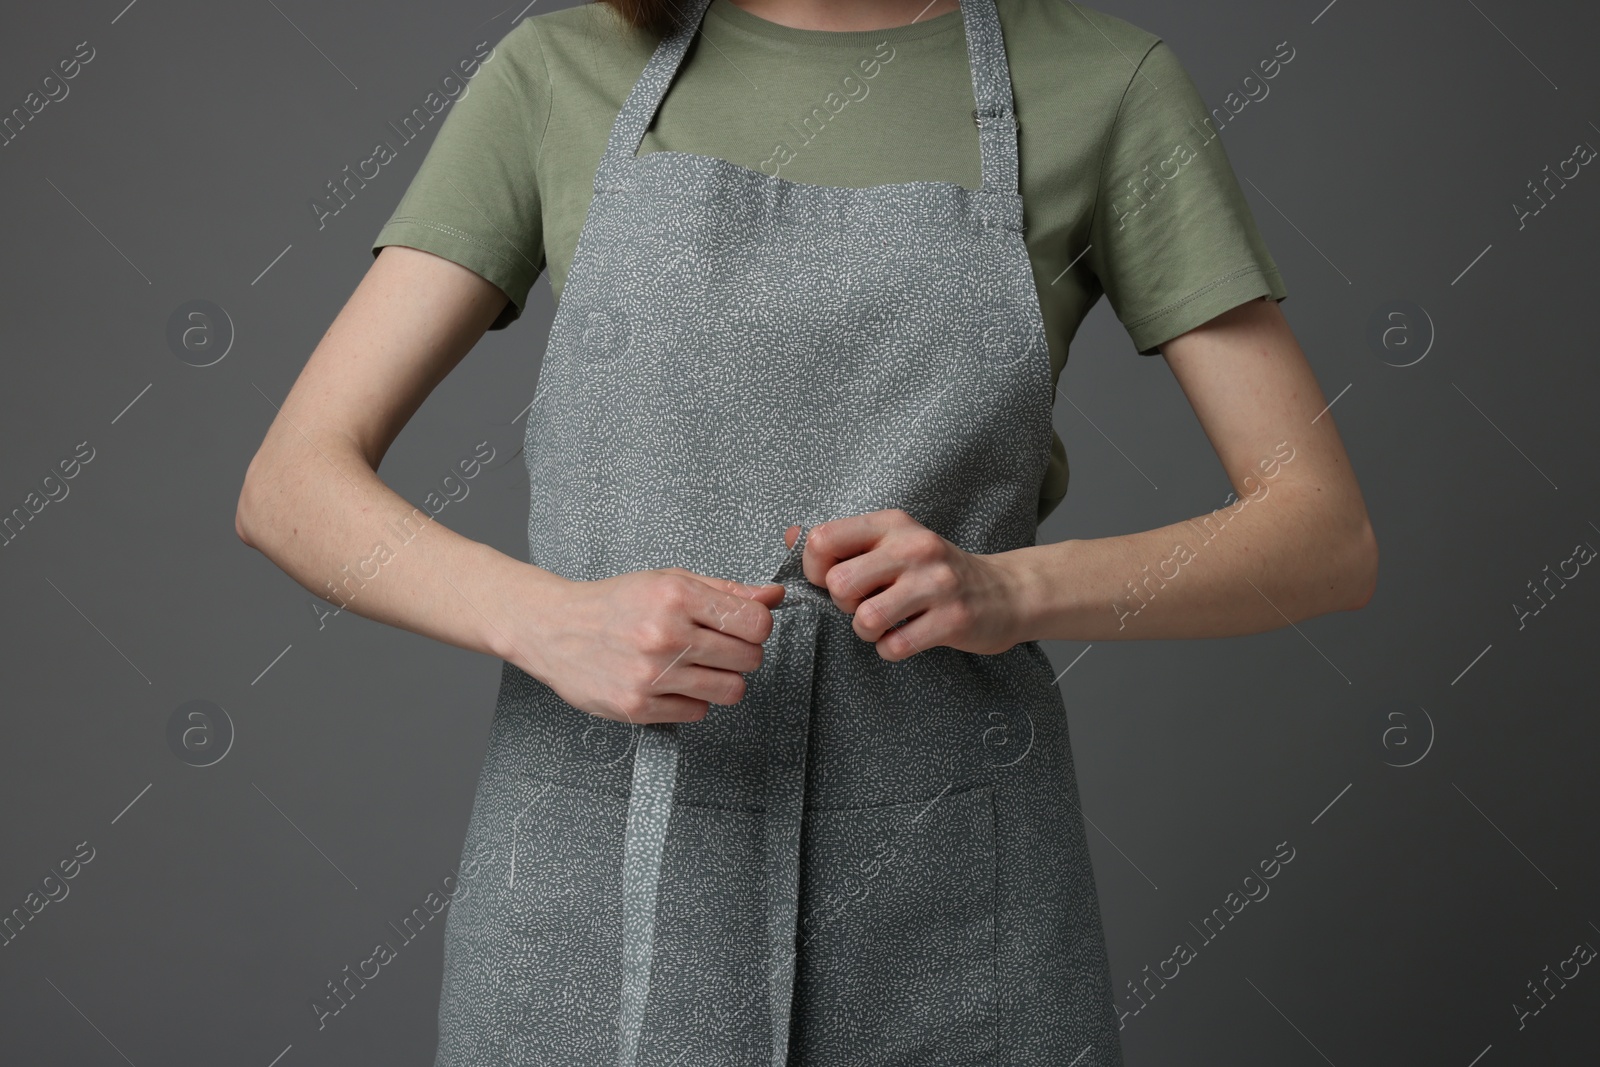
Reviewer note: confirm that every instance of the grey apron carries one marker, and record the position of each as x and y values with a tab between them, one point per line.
860	862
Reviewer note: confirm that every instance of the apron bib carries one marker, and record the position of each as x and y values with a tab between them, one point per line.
861	861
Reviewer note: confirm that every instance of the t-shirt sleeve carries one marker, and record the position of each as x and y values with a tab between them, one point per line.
475	198
1173	241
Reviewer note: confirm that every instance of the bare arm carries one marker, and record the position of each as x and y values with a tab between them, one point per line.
1296	544
648	647
312	501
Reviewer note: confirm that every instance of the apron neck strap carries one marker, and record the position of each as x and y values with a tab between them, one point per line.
639	109
991	90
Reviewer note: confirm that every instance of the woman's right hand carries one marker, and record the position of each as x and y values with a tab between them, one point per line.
648	646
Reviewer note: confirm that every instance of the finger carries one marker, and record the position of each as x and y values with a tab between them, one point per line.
910	594
723	651
767	593
770	595
702	683
854	580
839	539
790	534
919	633
745	618
667	707
880	613
724	585
904	631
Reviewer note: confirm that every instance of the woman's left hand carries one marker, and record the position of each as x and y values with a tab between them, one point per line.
885	567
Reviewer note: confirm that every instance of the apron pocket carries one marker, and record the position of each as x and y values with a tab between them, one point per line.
896	934
549	935
545	943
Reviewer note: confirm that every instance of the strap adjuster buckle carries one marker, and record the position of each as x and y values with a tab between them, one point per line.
981	113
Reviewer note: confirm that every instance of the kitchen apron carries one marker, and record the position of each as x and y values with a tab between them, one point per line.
860	862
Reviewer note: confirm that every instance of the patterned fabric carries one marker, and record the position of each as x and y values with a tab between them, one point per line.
861	861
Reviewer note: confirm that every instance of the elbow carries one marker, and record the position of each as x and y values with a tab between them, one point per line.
244	510
1362	568
239	525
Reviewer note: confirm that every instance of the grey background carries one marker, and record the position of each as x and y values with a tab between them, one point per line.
222	899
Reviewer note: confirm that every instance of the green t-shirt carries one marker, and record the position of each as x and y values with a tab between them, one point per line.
1126	188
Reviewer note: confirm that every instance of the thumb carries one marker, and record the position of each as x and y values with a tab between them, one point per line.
768	593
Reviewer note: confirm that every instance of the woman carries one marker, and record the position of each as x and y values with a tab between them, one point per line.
817	265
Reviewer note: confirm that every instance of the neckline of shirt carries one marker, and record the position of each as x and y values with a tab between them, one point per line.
734	17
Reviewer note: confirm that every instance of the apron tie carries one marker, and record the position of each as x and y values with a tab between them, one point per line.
655	774
655	777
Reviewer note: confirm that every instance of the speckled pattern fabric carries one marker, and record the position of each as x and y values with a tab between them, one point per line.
861	862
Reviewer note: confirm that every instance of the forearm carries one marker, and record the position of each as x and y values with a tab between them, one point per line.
1257	564
323	515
